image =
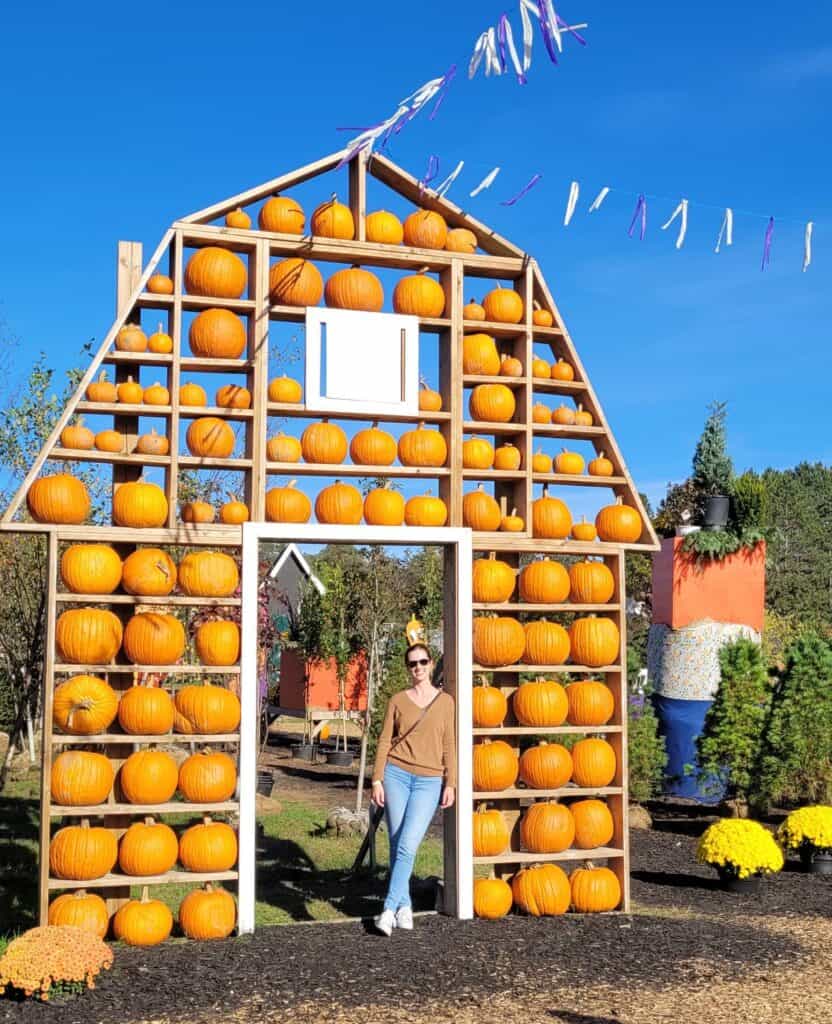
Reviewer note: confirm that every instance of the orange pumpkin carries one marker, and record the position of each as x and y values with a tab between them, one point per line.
208	777
384	507
503	305
593	763
339	503
285	389
512	523
541	413
594	824
541	463
149	572
324	443
419	295
233	396
619	523
477	453
591	702
81	853
80	909
160	342
146	711
584	531
425	510
87	636
542	890
206	709
152	444
570	463
154	638
540	368
217	334
422	447
148	777
507	457
282	215
425	229
139	505
208	847
384	227
429	400
208	574
601	466
354	288
480	356
84	705
547	643
78	436
541	317
544	582
490	833
591	583
480	511
551	518
59	498
492	580
131	338
373	447
595	641
561	370
148	848
494	403
283	448
461	240
498	641
80	778
144	922
156	394
495	766
101	390
563	415
287	505
488	705
583	418
90	569
540	703
238	219
547	828
208	914
197	512
216	272
191	394
594	890
546	766
473	311
218	642
510	366
234	511
130	392
492	898
333	220
210	437
110	441
160	284
295	282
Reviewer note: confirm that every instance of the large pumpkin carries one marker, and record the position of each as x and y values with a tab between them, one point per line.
547	643
208	847
81	853
90	569
384	227
218	642
140	505
498	641
425	229
60	498
283	215
490	833
425	510
143	922
131	338
593	763
547	828
333	220
492	580
287	505
87	636
215	271
544	582
488	705
419	295
477	453
373	447
594	824
354	288
339	503
384	507
492	898
495	766
595	890
493	403
206	709
211	437
591	583
146	711
551	519
618	523
503	305
80	778
546	766
422	447
84	706
217	334
295	282
540	703
480	511
148	777
208	914
541	890
149	572
595	641
208	777
148	848
154	638
208	574
591	703
480	356
80	909
324	443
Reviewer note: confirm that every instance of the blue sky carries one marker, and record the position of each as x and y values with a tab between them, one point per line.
116	121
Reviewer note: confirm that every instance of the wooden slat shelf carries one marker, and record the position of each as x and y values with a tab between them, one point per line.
504	542
493	474
558	387
520	606
117	458
142	810
194	303
205	462
470	380
560	730
287	409
483	427
547	668
523	857
544	334
515	793
172	599
567	430
496	330
348	469
124	738
182	534
169	670
124	409
579	480
191	412
297	314
202	365
171	878
138	358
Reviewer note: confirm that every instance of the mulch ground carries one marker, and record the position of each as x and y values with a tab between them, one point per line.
688	952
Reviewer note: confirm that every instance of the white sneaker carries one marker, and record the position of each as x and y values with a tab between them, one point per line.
404	919
386	922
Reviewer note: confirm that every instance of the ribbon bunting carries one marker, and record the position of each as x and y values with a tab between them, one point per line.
535	178
680	211
727	229
807	245
571	203
430	173
446	184
495	46
641	208
767	244
596	202
486	182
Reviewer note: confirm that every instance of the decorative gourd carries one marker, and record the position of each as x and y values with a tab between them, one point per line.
78	437
197	512
216	272
131	338
498	641
152	444
507	457
480	511
542	890
492	580
149	572
339	503
208	777
495	766
354	288
595	890
584	531
90	569
490	833
217	334
84	705
429	400
81	853
594	824
591	702
488	705
544	582
582	417
101	390
492	898
208	574
146	711
160	284
512	523
283	448
282	215
547	828
419	295
590	583
547	643
79	778
324	443
373	447
595	641
191	394
563	415
295	282
148	848
561	370
143	922
80	909
425	510
233	396
148	777
422	447
287	505
551	518
541	463
593	763
333	220
208	914
619	523
541	317
384	507
154	638
480	355
238	219
140	505
384	227
208	847
206	709
109	441
493	403
425	229
540	703
477	453
546	766
461	240
601	466
540	368
285	389
541	413
130	392
87	636
218	642
210	436
503	306
569	462
234	511
472	310
160	342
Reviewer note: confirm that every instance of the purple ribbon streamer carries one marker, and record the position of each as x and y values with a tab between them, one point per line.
501	40
430	173
641	208
562	24
544	30
448	77
535	178
767	244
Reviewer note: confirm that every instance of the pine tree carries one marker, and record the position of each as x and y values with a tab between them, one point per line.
712	466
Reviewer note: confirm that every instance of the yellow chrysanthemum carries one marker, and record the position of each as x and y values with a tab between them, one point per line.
742	846
53	954
811	826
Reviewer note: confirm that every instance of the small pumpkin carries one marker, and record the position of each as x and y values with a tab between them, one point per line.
282	215
130	392
339	503
480	511
208	847
541	702
154	638
422	447
80	778
216	272
217	334
149	572
541	317
619	523
80	909
210	437
512	523
547	827
153	443
208	913
90	569
563	415
591	583
373	447
477	453
542	890
78	437
148	848
584	531
206	709
551	519
492	580
81	853
498	641
384	507
233	396
425	229
238	219
429	400
473	311
160	284
354	288
324	443
503	305
601	466
461	240
131	338
59	498
84	705
480	356
295	282
383	227
561	370
148	777
492	898
285	389
490	833
594	825
593	763
101	390
287	505
493	403
489	706
541	463
419	295
507	457
191	394
156	394
594	890
541	413
234	511
160	342
540	368
547	643
208	777
595	641
333	220
495	766
197	512
583	418
88	636
144	922
570	463
510	366
138	504
283	448
218	642
208	574
146	711
544	581
546	766
110	441
425	510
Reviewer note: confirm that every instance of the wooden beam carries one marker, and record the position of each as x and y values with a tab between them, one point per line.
358	194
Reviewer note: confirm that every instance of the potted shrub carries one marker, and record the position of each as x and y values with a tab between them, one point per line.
809	831
713	470
742	851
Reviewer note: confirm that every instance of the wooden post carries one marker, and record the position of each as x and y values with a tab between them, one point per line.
46	729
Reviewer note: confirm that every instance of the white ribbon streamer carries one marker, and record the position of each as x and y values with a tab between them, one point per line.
727	229
807	245
596	202
680	211
512	51
571	203
446	184
486	182
527	6
485	48
552	23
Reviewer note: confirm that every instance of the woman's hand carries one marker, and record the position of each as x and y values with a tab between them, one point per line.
378	794
448	796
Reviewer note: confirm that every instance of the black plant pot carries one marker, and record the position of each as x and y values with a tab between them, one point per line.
340	758
304	751
717	509
743	886
265	782
816	861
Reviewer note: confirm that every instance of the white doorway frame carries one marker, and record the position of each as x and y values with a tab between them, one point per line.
459	872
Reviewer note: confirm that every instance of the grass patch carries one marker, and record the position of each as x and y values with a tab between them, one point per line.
19	826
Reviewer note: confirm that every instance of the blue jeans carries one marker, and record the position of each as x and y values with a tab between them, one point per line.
410	802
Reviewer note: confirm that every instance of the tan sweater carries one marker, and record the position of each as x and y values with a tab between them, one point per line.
430	749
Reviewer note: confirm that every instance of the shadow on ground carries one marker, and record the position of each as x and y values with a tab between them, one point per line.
19	820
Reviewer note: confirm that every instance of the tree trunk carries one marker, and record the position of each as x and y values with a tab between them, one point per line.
30	734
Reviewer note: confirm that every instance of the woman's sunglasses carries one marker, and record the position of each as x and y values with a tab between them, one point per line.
419	661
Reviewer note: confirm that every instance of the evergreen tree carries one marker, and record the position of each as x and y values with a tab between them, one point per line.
646	754
712	467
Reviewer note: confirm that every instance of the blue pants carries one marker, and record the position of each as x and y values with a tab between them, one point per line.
410	802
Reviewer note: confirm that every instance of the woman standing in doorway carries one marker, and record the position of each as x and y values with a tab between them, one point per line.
415	770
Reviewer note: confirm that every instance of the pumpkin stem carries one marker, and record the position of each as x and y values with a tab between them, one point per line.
292	483
145	894
149	820
206	819
492	555
514	511
536	304
423	270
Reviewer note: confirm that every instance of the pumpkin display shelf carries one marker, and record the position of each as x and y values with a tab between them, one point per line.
237	269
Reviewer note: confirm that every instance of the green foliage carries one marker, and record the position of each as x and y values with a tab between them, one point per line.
712	467
393	680
711	544
425	576
796	762
748	504
645	748
680	498
728	749
779	633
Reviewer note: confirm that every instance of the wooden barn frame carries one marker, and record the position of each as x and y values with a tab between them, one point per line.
497	260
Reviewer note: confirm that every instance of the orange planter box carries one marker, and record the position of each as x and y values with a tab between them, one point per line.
731	590
315	684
